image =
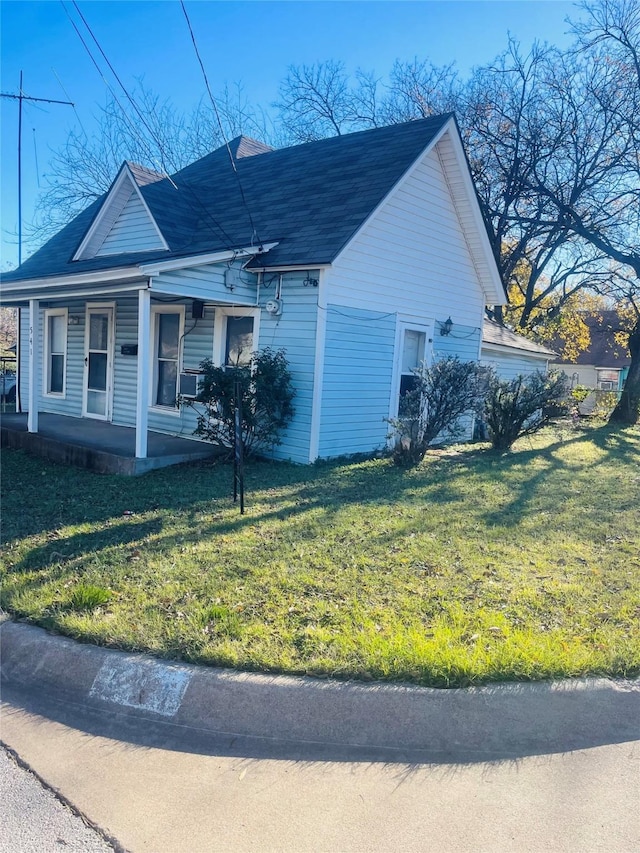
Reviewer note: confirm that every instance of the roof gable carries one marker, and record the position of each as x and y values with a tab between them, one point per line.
123	222
310	199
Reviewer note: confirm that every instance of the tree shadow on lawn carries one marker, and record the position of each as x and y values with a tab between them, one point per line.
284	492
63	558
538	490
69	496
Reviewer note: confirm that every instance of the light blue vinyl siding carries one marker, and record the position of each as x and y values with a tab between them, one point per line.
207	283
197	344
71	403
464	341
23	367
508	365
133	231
358	377
295	332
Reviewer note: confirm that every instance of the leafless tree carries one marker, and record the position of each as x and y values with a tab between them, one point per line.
589	176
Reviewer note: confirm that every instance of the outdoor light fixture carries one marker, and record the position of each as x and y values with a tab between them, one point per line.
445	328
73	320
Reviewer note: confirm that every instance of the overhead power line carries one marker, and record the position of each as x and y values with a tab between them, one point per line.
254	233
207	214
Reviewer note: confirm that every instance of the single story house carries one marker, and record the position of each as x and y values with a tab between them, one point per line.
360	255
604	364
511	354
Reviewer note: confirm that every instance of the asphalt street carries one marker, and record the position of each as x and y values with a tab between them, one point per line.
162	788
35	821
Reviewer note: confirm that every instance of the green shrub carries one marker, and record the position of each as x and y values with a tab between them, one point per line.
266	393
520	406
442	393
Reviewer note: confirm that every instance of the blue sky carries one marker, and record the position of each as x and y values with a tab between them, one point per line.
248	42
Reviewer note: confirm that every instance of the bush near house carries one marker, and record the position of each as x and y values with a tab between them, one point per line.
266	396
441	394
518	407
466	569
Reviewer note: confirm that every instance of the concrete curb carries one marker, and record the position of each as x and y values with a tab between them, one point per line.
507	719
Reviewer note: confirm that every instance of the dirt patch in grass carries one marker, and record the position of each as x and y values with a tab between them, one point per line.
471	568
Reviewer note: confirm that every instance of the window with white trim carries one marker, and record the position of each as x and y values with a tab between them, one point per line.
168	324
55	347
238	341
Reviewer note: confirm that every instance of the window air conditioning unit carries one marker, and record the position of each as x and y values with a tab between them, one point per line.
189	382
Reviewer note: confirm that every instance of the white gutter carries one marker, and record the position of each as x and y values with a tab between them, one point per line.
201	260
292	268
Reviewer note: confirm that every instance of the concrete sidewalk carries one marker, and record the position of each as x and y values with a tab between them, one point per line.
178	759
501	721
155	787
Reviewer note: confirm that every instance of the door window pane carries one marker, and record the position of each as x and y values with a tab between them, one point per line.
98	331
239	344
413	345
413	350
96	403
98	371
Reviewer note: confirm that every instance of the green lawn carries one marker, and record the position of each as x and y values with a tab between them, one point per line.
471	568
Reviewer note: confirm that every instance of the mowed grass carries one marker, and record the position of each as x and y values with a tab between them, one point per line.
472	568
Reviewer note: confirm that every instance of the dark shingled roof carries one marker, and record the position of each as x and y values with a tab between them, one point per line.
604	350
309	198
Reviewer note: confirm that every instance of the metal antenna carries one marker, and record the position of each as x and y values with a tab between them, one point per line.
20	97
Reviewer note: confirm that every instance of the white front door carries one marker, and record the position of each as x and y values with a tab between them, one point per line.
98	363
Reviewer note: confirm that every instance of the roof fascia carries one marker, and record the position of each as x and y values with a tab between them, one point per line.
403	178
158	267
47	293
123	175
116	275
465	173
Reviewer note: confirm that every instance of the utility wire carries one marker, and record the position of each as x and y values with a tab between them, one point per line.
82	127
254	233
123	87
134	130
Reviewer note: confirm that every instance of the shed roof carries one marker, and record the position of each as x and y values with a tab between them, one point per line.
495	334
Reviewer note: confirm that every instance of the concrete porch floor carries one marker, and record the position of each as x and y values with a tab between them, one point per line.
97	445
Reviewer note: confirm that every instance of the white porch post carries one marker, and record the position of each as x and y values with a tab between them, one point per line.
34	364
142	397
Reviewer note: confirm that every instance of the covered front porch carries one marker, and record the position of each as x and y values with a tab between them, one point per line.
98	445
